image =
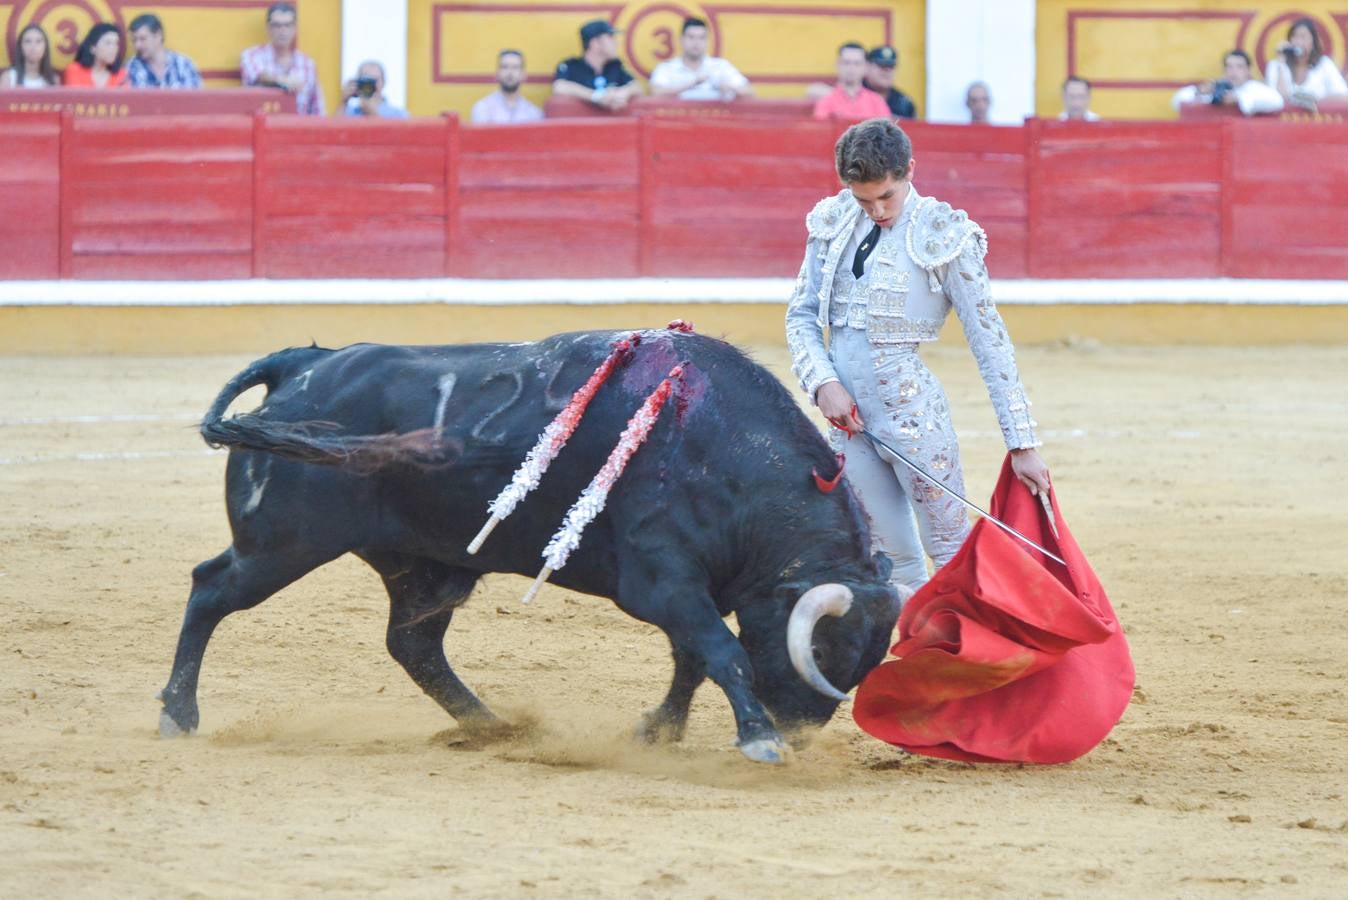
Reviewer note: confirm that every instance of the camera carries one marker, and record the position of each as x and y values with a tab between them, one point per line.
1292	51
1219	91
366	87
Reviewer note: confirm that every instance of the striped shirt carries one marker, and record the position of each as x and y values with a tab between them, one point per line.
261	60
178	73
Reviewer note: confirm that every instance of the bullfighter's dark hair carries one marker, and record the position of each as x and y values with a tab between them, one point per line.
85	55
852	45
871	151
1317	47
692	22
1077	79
1239	53
44	67
145	20
510	52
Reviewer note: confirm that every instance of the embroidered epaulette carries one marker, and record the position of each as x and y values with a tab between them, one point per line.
831	215
938	233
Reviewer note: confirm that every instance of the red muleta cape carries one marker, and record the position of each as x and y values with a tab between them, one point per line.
1005	655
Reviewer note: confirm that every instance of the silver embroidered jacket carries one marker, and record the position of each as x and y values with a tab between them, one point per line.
929	262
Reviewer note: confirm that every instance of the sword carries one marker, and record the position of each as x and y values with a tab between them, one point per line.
1043	498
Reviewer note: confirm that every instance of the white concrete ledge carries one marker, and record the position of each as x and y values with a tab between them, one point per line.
609	291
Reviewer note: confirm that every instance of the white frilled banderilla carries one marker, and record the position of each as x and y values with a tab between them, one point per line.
592	499
553	439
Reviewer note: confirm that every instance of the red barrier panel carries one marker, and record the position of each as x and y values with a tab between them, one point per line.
283	196
731	197
104	104
552	200
1125	199
982	171
560	106
30	196
157	197
1285	203
339	198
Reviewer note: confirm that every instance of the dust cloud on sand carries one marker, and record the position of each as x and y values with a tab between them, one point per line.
1203	483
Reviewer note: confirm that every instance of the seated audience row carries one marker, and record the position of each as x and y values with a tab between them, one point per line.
1237	87
1299	75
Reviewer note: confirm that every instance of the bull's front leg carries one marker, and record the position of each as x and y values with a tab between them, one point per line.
668	721
688	616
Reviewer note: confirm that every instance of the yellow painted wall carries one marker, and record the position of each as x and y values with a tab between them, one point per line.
1137	53
211	32
452	46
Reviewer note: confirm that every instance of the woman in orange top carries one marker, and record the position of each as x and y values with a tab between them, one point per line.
98	62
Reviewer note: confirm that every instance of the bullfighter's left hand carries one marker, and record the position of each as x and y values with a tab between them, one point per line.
1031	469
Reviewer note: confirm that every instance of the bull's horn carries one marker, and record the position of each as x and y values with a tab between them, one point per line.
819	601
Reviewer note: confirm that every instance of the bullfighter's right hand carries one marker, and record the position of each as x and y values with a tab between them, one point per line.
839	408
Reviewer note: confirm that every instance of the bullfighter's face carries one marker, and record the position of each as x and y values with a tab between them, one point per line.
883	200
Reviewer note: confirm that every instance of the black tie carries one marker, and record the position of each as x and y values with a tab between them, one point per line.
859	263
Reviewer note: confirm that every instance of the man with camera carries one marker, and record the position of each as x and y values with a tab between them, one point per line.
1237	88
364	94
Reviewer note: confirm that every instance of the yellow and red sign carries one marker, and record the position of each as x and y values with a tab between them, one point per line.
1137	53
780	45
211	32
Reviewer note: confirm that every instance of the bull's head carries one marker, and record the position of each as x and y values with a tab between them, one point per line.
815	643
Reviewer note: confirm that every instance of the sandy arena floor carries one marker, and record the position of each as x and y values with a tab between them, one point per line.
1206	485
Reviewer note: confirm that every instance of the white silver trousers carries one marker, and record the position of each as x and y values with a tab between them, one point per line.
901	401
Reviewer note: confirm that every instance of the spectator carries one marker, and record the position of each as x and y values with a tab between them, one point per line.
696	76
1302	73
1237	88
598	76
31	61
279	64
505	105
851	99
1076	101
979	101
882	63
155	65
364	94
98	61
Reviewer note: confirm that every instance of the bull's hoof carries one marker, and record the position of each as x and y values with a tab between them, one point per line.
766	750
168	728
656	728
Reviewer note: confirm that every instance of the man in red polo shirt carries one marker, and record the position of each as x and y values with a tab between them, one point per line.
851	99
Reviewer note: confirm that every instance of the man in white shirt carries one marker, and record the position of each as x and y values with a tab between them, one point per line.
695	75
1238	88
1076	101
506	106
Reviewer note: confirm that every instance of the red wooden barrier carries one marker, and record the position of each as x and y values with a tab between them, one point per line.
1125	199
560	106
30	196
235	196
351	197
982	171
1285	202
157	197
731	197
553	200
117	104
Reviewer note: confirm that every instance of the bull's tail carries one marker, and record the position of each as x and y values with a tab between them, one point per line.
315	441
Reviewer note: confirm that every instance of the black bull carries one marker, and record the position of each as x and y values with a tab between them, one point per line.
716	514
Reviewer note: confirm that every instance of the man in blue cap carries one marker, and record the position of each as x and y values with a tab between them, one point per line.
597	76
881	64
